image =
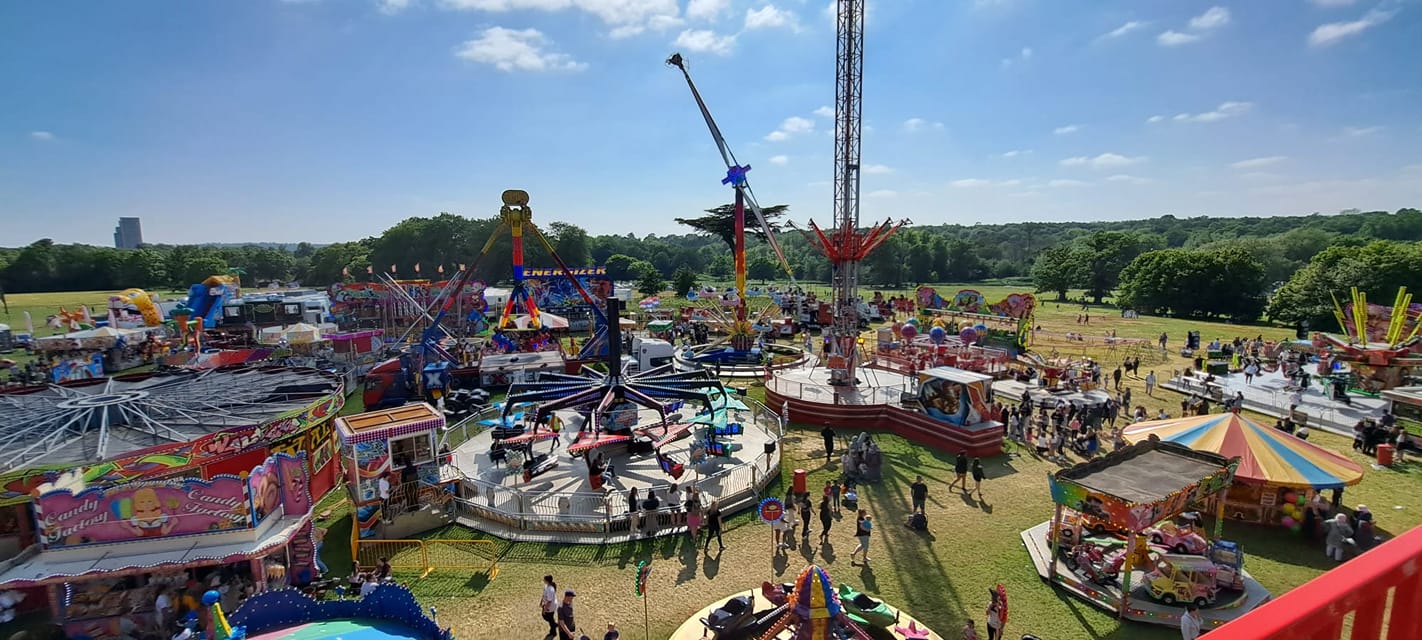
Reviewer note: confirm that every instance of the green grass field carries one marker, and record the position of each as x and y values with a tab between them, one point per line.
940	578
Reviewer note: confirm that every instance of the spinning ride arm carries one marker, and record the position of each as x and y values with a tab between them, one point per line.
736	177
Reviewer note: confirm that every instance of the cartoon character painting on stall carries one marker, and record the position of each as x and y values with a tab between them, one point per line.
295	484
372	461
265	486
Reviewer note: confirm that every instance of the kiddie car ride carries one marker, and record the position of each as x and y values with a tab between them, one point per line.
1178	539
1181	578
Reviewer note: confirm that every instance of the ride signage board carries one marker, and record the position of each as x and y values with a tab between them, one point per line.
771	510
139	511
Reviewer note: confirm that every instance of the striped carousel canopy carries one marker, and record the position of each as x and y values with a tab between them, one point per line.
1267	455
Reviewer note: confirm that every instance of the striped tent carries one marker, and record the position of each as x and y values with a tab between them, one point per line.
1267	455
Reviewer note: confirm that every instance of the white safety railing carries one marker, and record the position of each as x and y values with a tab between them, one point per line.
519	509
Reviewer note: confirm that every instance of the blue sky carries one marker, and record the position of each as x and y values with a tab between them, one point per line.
330	120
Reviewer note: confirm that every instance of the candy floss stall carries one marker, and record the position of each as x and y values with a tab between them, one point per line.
105	552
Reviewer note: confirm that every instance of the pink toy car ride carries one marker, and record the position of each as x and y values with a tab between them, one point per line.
1178	539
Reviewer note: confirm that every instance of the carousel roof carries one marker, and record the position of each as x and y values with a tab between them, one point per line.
1267	455
99	419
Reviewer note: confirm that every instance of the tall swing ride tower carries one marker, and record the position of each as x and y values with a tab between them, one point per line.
845	244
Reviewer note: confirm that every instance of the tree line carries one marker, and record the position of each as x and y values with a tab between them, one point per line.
1237	268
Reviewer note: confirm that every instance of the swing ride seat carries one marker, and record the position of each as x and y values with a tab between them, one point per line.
732	429
721	449
671	465
538	466
504	433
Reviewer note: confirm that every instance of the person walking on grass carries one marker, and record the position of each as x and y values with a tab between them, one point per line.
548	605
828	434
978	476
834	493
1150	384
567	626
863	526
804	503
825	519
960	471
713	526
919	492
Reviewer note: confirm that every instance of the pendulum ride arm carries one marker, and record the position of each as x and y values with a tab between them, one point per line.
431	337
735	174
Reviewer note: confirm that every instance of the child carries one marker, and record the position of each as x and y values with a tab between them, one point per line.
970	632
611	632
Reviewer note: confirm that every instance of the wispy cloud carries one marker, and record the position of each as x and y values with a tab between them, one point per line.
43	136
1155	119
790	127
1333	32
919	124
1066	130
625	18
771	17
1103	161
1225	110
705	41
516	50
1212	18
1060	182
1255	163
780	160
1016	152
1022	56
1358	132
1134	25
392	7
980	183
825	112
1128	179
876	169
1199	26
700	9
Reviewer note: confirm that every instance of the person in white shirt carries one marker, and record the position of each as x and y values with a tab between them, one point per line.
548	605
368	587
162	610
384	487
1150	383
1190	623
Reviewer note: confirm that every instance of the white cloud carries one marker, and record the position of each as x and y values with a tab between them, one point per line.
825	112
392	7
970	183
1358	132
1022	56
1103	161
1124	29
626	17
1255	163
1154	119
1225	110
1066	183
1212	18
1068	129
769	17
789	127
875	169
1333	32
919	124
516	49
43	136
706	9
883	193
705	41
780	160
1128	179
1175	38
1016	152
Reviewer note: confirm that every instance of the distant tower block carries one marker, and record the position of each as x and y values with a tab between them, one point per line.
128	234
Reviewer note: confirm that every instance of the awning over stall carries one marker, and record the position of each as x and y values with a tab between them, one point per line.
1267	455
